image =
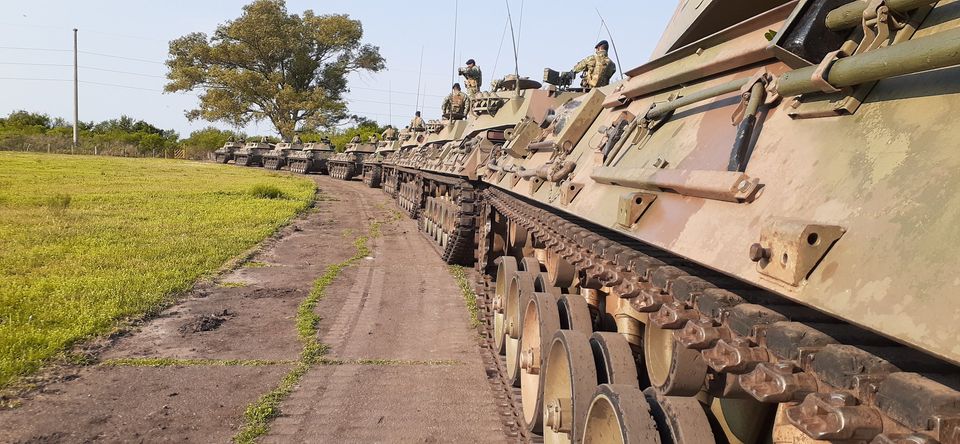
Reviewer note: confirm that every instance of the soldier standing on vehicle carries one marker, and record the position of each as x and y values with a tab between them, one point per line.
389	133
597	69
472	77
416	124
456	104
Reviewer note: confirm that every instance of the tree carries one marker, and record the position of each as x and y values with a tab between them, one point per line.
269	64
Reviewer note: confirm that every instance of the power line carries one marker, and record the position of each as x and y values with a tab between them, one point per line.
84	67
99	54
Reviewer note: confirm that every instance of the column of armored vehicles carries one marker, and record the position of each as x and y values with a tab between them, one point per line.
751	238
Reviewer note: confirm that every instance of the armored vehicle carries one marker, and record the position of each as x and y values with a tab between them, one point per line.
373	165
278	157
747	239
349	164
409	140
312	158
225	153
252	153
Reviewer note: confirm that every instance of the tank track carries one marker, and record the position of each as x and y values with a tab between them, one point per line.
222	158
410	197
451	224
272	163
835	381
298	166
506	396
372	175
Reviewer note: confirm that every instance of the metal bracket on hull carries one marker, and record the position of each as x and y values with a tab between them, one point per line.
789	249
632	206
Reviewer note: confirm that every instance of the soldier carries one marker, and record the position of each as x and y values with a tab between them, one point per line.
416	124
472	77
456	104
325	139
355	139
597	69
296	138
389	133
373	139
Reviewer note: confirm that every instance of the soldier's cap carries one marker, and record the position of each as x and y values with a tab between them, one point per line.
456	86
602	43
471	62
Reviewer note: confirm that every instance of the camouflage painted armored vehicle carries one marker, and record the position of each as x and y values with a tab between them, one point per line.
225	153
373	165
277	158
409	140
438	179
349	164
311	159
748	239
252	153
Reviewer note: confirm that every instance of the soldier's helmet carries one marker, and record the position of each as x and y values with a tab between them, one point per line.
602	44
456	86
471	62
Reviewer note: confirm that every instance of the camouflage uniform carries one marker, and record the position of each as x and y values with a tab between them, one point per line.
372	139
472	79
416	124
355	139
598	69
389	134
455	106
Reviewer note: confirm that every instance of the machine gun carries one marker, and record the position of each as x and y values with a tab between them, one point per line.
561	79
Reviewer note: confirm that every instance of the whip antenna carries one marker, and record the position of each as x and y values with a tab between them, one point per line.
513	37
419	77
616	55
453	67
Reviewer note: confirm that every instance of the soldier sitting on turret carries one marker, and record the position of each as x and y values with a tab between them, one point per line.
389	133
456	104
325	139
296	138
373	139
597	69
355	139
416	124
472	77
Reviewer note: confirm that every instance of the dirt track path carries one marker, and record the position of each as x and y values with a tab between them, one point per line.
414	371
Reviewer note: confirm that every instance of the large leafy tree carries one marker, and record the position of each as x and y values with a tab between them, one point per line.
269	64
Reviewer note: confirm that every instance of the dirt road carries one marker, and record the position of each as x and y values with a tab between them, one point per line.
403	363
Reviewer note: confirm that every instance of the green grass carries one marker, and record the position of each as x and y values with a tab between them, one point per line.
469	296
87	241
174	362
258	415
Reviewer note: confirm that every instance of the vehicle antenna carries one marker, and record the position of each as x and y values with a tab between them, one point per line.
453	67
513	37
616	55
419	77
496	62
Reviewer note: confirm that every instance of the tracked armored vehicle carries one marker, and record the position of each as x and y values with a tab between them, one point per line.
409	140
349	164
278	157
748	239
373	165
252	153
311	159
225	153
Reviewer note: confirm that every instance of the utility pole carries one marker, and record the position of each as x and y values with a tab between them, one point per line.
76	112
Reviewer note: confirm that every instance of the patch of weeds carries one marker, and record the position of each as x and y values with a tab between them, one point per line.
224	284
258	415
392	362
264	191
58	202
255	264
469	296
174	362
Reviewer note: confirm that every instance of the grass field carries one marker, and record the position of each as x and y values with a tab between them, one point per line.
85	241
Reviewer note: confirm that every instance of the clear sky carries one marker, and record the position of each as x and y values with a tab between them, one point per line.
123	45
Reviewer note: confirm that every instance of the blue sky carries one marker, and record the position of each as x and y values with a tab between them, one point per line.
134	34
